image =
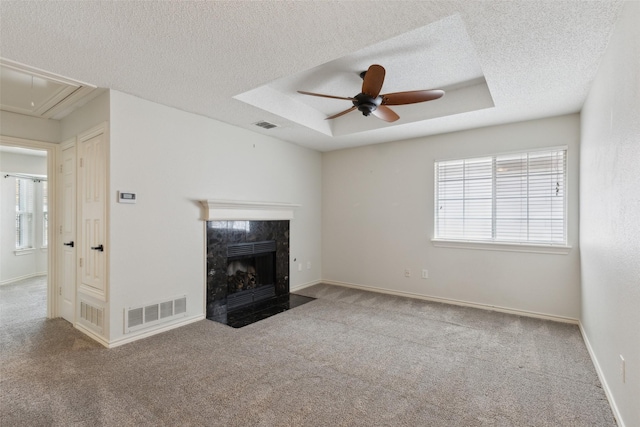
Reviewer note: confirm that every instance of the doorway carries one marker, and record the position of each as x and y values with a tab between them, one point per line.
27	217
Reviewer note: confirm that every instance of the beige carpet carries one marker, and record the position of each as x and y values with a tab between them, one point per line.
23	300
349	358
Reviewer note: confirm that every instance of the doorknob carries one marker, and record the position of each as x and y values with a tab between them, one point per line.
69	244
98	248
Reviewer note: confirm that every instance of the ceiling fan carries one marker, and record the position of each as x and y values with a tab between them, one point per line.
369	101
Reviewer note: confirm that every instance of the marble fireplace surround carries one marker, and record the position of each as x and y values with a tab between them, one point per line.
270	218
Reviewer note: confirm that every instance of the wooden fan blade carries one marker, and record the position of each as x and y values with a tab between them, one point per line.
342	113
373	80
412	97
385	113
325	96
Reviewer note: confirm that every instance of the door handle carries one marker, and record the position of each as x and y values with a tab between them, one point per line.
69	244
98	248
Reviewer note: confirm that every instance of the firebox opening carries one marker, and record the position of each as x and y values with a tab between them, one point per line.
251	273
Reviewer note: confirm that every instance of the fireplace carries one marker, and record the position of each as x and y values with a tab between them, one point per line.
247	262
247	250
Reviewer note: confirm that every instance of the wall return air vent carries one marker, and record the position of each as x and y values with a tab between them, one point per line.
91	316
147	315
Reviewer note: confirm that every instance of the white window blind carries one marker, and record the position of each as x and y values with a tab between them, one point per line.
511	198
24	213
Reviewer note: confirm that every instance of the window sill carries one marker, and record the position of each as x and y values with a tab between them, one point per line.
20	252
508	247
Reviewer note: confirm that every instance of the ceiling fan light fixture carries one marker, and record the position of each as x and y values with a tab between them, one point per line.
366	104
369	101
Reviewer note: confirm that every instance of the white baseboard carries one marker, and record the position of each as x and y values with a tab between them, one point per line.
155	331
304	285
481	306
26	276
91	334
601	377
129	339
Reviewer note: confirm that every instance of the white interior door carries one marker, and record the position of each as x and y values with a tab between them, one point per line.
92	186
68	244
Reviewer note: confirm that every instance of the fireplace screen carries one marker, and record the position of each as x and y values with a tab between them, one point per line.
251	273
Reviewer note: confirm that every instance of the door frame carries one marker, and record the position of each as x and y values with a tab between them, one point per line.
68	144
52	150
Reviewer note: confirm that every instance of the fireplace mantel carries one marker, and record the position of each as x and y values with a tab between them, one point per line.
227	210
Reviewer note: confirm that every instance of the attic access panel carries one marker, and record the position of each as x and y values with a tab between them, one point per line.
32	92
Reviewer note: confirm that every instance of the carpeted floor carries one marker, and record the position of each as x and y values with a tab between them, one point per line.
23	300
349	358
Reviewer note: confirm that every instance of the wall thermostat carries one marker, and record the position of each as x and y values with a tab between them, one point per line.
126	197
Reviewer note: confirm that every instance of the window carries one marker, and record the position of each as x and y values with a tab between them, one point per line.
510	198
24	213
45	215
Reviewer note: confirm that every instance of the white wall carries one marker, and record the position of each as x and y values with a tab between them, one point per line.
23	163
378	204
91	114
610	216
174	159
27	263
27	127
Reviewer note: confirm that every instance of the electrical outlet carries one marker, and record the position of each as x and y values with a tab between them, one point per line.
308	265
425	274
622	369
407	272
300	266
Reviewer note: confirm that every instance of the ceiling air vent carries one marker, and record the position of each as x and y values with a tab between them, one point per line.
265	125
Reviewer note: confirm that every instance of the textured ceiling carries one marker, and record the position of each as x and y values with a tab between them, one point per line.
529	59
